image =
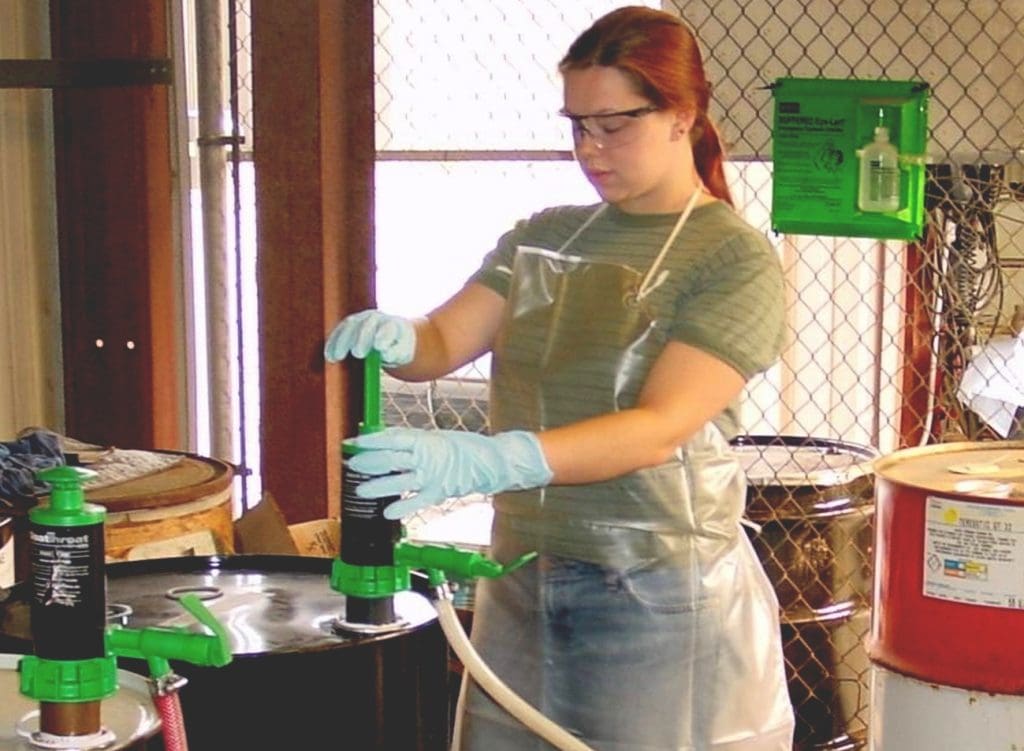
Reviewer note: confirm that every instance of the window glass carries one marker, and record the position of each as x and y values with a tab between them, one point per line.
436	220
484	75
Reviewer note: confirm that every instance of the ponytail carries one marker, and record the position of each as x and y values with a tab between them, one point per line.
708	157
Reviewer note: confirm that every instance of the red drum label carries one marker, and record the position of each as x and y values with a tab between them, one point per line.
949	549
974	553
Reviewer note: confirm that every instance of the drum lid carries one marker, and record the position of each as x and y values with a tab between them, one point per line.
267	604
797	460
796	476
129	714
189	478
990	468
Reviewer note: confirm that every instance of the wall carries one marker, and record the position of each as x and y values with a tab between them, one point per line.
31	383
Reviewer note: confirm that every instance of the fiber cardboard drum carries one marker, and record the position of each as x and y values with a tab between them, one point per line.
183	509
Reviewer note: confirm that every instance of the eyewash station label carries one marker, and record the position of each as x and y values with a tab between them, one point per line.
810	145
974	552
838	147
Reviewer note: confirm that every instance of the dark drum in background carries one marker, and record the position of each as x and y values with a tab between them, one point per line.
813	500
293	683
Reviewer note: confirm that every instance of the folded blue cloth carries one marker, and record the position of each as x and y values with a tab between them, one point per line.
22	458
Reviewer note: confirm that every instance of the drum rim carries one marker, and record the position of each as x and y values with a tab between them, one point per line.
815	478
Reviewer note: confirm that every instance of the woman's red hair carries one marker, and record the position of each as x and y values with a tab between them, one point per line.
658	51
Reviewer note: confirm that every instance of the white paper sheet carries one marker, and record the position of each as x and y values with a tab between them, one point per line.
993	383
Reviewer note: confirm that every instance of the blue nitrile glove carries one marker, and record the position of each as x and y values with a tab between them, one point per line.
393	336
441	464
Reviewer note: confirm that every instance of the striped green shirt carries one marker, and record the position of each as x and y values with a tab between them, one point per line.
723	293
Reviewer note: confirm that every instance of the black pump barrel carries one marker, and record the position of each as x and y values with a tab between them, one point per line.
66	549
367	538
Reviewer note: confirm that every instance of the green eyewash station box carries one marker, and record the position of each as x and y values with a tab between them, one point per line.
849	157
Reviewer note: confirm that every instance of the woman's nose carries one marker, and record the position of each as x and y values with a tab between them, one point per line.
587	144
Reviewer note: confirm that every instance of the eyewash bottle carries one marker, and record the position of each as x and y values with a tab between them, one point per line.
879	188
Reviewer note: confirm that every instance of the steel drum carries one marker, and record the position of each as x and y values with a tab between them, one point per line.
811	500
129	714
294	682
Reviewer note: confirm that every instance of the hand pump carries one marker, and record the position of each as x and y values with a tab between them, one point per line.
374	562
74	665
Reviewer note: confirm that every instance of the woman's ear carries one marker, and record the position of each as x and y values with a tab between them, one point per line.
683	123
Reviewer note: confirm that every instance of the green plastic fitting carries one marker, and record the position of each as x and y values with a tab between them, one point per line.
67	681
67	506
157	645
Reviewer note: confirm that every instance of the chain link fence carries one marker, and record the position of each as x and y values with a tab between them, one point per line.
890	344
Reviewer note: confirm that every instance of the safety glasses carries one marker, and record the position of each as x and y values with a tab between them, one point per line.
608	129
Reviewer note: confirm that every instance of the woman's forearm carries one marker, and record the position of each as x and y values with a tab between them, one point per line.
454	334
685	389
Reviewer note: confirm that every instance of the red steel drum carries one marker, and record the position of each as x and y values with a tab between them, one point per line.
948	590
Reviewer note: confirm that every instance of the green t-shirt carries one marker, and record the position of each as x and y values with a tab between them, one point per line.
723	293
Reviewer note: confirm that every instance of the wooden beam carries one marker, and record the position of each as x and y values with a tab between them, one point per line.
122	342
313	154
55	74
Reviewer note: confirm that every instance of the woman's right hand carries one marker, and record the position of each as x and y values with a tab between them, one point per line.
392	336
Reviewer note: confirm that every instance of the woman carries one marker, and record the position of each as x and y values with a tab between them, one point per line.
622	336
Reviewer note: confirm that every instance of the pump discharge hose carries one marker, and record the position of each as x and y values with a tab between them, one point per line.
498	690
168	706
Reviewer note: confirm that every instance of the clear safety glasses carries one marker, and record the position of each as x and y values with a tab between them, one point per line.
609	129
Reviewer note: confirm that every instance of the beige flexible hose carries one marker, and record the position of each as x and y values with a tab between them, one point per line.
514	704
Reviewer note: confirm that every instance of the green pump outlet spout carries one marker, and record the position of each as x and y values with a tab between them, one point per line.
157	645
439	561
442	561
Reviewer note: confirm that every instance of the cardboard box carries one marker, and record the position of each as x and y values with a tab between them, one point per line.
262	530
318	538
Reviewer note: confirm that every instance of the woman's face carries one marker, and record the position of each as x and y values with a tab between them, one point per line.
636	157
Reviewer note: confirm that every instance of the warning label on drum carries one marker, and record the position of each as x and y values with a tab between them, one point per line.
973	553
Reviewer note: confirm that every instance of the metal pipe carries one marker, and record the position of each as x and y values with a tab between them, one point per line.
211	144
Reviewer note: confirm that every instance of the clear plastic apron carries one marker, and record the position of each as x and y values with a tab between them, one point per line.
578	341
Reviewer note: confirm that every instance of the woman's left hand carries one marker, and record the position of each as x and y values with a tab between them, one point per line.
434	465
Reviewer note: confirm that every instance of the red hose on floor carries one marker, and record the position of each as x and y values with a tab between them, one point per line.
168	706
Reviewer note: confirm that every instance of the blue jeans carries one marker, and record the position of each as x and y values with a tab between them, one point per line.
611	656
682	655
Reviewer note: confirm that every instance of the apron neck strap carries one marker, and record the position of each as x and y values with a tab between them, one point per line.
649	282
579	230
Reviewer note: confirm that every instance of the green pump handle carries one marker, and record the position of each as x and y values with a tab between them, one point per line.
373	418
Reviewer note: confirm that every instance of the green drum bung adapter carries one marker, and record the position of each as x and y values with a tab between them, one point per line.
74	664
